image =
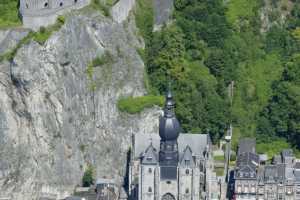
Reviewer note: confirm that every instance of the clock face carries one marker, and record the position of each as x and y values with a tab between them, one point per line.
168	196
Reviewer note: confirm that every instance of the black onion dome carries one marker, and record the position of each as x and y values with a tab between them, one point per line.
169	127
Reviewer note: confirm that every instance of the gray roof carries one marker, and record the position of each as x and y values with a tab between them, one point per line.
150	157
287	153
276	160
187	156
246	165
247	145
197	142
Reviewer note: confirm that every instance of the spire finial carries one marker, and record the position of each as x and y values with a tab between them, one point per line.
170	104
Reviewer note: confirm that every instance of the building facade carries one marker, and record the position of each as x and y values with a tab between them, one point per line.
279	180
170	165
37	13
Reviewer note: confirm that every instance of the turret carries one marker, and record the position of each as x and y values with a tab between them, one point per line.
169	129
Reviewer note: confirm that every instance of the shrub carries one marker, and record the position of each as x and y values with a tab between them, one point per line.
134	105
88	177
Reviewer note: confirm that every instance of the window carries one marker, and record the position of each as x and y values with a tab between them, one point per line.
187	171
75	1
187	190
149	158
46	5
150	170
61	4
26	5
187	162
168	182
149	189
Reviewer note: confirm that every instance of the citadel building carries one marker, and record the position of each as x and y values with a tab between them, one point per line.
170	165
37	13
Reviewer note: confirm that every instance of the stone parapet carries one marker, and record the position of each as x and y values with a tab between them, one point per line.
43	15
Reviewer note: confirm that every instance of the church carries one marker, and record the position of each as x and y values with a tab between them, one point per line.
170	165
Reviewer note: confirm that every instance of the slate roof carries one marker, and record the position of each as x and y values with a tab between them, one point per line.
150	157
247	145
287	153
197	142
246	165
187	157
297	171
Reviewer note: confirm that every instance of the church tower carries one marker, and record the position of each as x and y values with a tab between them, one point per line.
169	129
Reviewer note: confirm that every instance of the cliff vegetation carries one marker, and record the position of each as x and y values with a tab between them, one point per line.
211	43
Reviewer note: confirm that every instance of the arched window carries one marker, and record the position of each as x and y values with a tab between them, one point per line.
187	171
168	196
149	189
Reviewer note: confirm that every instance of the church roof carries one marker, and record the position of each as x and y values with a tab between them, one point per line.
197	142
150	155
187	157
169	127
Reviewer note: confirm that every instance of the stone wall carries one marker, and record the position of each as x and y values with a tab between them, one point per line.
37	13
121	10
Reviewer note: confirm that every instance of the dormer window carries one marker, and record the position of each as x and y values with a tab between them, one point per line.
187	162
149	158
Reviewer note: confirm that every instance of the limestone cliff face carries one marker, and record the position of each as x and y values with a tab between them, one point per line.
53	123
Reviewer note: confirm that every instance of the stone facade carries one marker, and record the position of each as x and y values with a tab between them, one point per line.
277	181
37	13
161	169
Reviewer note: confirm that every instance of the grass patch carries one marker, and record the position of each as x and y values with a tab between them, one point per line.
219	158
219	171
134	105
9	14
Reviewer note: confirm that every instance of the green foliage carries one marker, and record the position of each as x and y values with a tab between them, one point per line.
272	148
44	33
9	14
281	116
144	18
219	158
219	171
134	105
106	58
88	177
100	6
241	10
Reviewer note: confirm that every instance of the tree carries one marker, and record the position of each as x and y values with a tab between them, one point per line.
88	177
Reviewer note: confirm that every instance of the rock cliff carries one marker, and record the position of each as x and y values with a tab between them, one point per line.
53	123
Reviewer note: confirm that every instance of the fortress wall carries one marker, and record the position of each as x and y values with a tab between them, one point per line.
34	18
121	10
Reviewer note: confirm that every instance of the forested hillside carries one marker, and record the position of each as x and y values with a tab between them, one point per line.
254	43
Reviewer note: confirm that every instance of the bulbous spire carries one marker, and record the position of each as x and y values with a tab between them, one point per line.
169	127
